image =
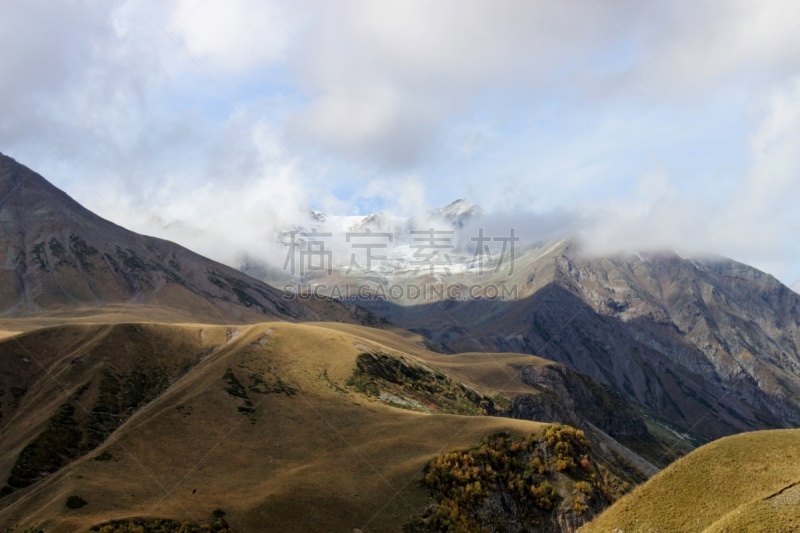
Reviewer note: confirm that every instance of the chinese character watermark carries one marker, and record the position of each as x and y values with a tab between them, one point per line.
430	251
367	245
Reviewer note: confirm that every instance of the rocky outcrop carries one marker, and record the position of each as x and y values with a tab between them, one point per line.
572	398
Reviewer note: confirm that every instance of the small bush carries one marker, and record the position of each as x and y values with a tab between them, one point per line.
584	487
76	502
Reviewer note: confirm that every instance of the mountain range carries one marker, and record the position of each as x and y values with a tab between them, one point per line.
708	343
145	387
123	335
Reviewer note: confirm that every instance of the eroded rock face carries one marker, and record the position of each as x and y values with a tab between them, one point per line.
738	317
572	398
711	345
619	433
732	330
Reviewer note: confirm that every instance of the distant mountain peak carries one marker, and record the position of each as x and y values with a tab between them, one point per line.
317	216
459	212
461	206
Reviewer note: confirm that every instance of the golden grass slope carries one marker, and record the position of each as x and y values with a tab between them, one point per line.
491	373
747	482
116	314
312	454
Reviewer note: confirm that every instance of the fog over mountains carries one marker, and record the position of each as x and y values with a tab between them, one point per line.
709	344
706	342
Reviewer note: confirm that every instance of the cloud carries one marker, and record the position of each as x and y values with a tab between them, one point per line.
405	198
240	200
41	50
755	219
234	35
428	62
530	227
762	214
698	45
655	124
45	56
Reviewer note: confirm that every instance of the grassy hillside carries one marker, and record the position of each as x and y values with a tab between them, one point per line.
67	388
279	425
506	375
261	425
748	482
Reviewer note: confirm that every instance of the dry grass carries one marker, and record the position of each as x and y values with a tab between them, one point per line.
491	373
113	314
740	483
323	458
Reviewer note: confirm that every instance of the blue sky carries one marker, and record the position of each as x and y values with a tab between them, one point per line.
649	124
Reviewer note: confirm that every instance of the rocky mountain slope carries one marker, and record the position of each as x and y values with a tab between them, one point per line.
712	345
55	254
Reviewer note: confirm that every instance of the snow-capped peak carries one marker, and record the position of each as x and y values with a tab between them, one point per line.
459	212
317	216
